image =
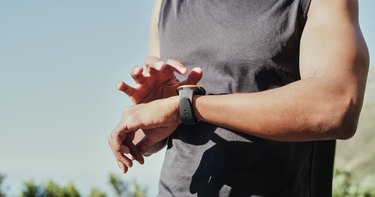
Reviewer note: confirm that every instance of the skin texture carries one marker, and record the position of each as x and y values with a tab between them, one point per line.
324	104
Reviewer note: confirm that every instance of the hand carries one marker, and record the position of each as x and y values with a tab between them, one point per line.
157	80
158	119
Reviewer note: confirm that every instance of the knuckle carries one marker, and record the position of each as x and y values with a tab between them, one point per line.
174	62
132	71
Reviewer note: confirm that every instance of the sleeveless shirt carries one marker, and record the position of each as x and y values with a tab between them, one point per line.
241	46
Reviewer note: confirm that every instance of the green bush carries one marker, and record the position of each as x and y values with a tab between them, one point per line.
31	190
344	186
52	189
2	193
121	188
95	192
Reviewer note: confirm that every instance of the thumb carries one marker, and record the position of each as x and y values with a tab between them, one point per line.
194	77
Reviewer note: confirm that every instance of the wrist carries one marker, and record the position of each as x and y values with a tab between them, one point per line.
187	107
196	98
175	103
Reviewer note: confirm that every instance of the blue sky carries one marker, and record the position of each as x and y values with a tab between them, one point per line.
59	62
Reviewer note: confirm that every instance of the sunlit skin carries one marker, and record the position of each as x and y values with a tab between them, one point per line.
324	104
155	80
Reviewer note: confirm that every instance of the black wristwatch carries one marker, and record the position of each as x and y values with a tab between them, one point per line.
186	93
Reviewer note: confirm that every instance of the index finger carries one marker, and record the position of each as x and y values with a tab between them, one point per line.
177	66
118	151
170	66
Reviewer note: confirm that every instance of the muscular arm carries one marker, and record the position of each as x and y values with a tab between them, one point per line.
325	103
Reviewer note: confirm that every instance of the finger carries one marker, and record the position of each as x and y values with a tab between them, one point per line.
194	77
118	150
151	70
117	146
144	145
121	148
178	66
134	152
124	149
124	160
154	64
122	167
166	68
125	88
171	65
119	135
146	70
151	60
137	75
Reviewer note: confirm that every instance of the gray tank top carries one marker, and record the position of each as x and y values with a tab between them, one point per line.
242	46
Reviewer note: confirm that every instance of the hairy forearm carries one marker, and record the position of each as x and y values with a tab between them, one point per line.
309	109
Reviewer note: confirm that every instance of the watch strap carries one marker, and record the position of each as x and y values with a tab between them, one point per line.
186	112
186	109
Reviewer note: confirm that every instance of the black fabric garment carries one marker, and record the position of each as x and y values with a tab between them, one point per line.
242	46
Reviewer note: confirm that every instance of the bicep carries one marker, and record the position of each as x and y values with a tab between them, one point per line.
154	43
332	44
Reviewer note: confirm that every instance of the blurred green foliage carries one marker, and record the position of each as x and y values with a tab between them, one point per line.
95	192
344	186
123	189
2	193
31	189
117	184
52	189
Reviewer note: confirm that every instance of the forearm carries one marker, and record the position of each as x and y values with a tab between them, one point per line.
309	109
